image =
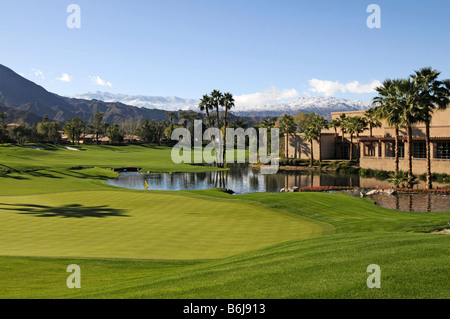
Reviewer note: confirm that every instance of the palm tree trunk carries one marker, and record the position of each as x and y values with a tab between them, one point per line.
209	124
312	154
396	150
207	117
224	134
427	141
409	141
218	117
370	130
320	149
358	151
287	145
351	146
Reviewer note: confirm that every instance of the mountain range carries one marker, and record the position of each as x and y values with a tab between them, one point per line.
319	105
24	100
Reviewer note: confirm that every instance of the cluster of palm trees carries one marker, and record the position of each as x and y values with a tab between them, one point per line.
406	102
214	102
354	126
402	103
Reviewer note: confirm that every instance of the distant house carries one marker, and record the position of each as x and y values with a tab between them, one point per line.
92	139
11	126
130	139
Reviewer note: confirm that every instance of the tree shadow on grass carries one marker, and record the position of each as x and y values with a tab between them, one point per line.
78	174
13	176
41	173
65	211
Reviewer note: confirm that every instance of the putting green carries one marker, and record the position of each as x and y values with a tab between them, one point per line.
137	224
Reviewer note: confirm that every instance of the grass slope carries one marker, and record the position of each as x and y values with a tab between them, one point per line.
412	266
199	244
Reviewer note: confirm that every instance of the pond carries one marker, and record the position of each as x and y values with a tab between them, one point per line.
242	179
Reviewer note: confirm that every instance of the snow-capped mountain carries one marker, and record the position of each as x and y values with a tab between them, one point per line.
170	103
319	105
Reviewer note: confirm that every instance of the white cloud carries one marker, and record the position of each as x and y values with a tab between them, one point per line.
65	78
329	88
269	96
38	73
99	81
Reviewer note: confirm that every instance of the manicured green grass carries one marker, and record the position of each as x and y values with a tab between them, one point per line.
138	224
199	244
148	157
412	266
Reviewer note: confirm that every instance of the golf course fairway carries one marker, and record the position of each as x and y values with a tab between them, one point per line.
199	244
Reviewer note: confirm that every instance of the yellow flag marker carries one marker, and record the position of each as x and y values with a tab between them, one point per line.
146	185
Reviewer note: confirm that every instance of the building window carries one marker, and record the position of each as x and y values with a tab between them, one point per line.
420	150
389	149
370	150
443	150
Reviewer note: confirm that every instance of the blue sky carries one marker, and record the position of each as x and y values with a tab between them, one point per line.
262	50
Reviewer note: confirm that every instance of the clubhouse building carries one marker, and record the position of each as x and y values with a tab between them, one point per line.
378	150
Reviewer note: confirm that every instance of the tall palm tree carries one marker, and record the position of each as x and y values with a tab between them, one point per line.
311	133
388	108
408	92
372	119
335	124
342	123
206	105
227	103
287	126
433	94
355	126
320	123
216	99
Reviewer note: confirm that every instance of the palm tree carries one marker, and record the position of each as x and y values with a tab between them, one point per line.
355	126
216	99
408	92
227	102
320	123
206	105
287	126
342	123
433	94
389	108
372	119
335	124
311	133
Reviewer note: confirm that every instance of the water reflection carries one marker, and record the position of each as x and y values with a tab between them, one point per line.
242	179
414	202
